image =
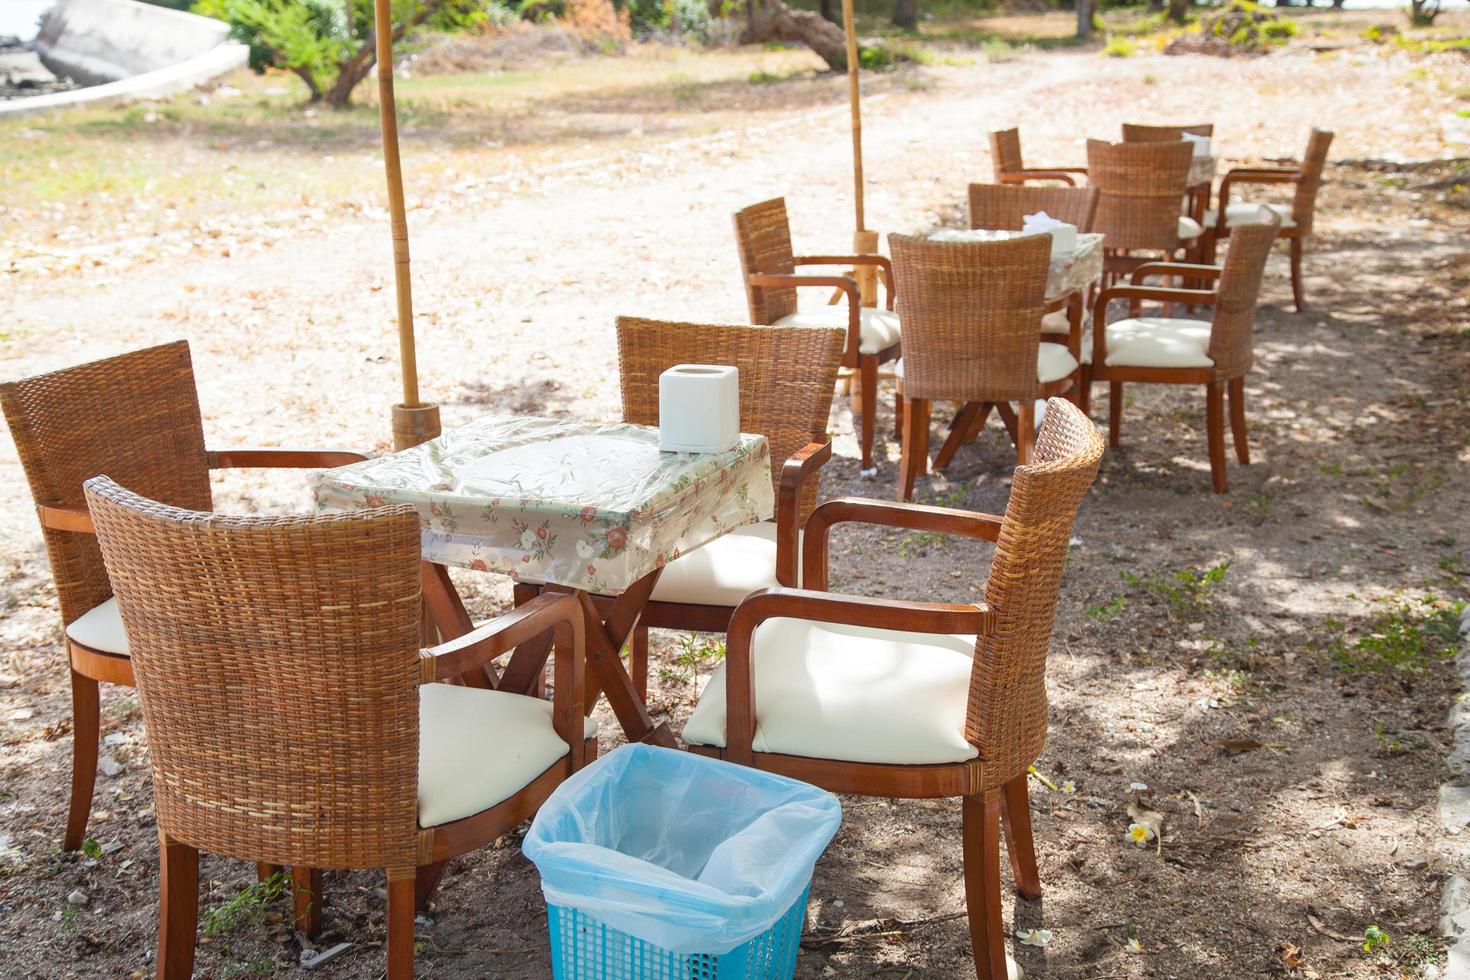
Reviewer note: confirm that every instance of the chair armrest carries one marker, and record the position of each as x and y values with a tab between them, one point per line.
1062	174
1189	270
502	634
795	472
75	519
883	262
847	284
1252	175
822	607
884	513
1136	295
281	458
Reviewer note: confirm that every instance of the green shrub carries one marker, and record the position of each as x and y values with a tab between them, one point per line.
1119	46
1248	26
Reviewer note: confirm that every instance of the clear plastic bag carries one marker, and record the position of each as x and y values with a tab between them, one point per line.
684	852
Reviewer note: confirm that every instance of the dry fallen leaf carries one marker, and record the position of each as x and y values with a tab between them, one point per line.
1237	746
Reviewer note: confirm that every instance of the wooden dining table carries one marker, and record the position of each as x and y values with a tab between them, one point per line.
593	509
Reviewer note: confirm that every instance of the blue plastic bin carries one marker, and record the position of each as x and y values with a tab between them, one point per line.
662	865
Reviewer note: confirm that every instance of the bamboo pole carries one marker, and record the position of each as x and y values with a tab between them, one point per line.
414	421
864	241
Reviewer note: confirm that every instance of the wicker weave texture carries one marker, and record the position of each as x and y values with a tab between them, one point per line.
1232	332
971	315
1304	203
763	236
786	378
1005	206
134	417
1142	133
277	665
1005	152
1006	718
1140	189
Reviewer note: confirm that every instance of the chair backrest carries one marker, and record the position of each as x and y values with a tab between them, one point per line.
277	666
1304	204
1006	719
786	378
971	315
135	417
1140	189
1005	206
763	236
1005	152
1232	330
1141	133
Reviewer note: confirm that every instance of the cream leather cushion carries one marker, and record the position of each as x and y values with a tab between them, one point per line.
478	748
1189	228
848	692
1156	341
1249	214
1056	322
877	329
725	571
100	629
1053	363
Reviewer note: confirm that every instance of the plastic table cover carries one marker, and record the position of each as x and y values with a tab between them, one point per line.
586	505
1069	271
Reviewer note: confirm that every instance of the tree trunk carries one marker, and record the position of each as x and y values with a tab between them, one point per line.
1084	19
772	20
1178	11
906	14
829	12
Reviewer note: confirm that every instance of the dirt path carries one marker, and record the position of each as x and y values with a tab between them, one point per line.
1358	491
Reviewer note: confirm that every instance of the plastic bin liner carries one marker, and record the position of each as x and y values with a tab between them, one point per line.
684	852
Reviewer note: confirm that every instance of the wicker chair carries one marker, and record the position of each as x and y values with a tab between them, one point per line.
292	718
136	417
786	379
1296	218
1005	154
974	313
1141	133
1140	189
914	699
763	236
1217	354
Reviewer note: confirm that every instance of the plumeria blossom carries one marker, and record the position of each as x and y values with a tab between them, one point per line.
1134	946
1140	833
1034	937
1069	787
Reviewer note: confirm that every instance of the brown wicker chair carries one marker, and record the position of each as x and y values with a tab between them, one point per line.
914	699
136	417
1005	154
1141	187
1296	218
1142	133
974	313
763	236
786	379
292	718
1161	350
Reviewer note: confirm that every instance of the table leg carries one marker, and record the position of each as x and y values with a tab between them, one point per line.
447	612
604	644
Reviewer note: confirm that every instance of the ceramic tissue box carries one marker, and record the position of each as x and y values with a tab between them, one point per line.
1063	235
1201	144
699	408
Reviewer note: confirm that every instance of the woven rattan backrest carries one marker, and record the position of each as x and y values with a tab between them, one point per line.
1232	332
1007	710
1140	133
1140	189
277	666
763	235
1304	204
786	378
136	417
1005	206
1005	151
971	315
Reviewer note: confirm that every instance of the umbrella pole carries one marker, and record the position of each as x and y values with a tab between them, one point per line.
413	421
863	242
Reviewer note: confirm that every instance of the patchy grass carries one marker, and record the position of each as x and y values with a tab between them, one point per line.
1184	592
247	909
1404	635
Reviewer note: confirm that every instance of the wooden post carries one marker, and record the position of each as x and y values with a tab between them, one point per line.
413	421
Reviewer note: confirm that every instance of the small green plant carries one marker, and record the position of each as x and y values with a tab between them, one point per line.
262	967
1106	612
691	659
1375	939
91	848
247	908
1394	743
917	543
1405	636
1119	46
1184	591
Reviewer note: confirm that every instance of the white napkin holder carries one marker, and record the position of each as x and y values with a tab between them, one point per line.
699	408
1201	144
1063	235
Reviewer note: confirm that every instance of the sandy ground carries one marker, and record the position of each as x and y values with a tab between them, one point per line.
1274	858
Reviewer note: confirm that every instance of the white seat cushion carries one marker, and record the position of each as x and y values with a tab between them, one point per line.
1249	214
1053	363
1156	341
725	571
100	629
1056	322
878	330
478	748
1189	228
858	694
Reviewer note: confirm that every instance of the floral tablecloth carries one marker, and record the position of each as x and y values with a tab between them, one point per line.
1069	271
586	505
1201	171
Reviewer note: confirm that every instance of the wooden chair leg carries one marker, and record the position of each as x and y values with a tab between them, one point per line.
86	724
982	884
1296	274
178	908
959	433
1236	391
265	872
1084	389
1016	818
638	665
306	896
425	881
915	457
400	927
868	368
1215	432
1025	430
898	409
1008	418
1115	413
